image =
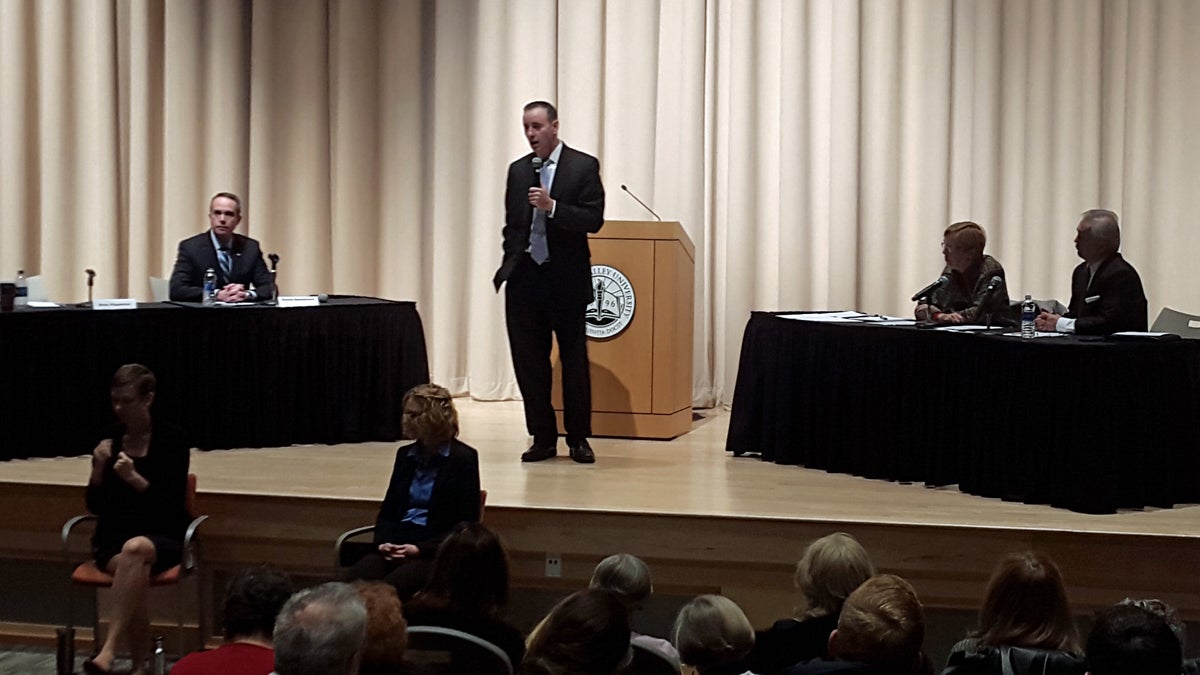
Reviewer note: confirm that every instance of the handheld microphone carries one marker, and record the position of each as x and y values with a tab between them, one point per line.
635	198
924	292
537	170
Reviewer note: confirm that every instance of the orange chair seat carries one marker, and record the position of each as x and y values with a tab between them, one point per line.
88	574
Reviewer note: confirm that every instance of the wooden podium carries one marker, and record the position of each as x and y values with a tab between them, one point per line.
641	373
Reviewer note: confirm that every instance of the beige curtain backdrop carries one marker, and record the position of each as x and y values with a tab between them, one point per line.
814	150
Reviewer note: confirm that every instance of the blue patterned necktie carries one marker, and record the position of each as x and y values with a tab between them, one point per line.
226	261
539	249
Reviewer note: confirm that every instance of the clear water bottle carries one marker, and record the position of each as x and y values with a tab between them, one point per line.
1028	314
160	656
210	286
22	297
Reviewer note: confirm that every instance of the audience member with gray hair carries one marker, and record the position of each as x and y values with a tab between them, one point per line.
713	635
628	577
320	631
1106	292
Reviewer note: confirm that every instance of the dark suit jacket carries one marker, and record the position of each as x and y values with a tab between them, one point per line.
1117	301
579	209
196	254
455	497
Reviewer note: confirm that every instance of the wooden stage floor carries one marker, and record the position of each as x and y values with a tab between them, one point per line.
708	522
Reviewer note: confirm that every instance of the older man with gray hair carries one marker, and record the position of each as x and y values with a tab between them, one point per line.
1106	292
320	631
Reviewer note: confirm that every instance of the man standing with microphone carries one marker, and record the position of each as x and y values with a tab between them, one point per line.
553	199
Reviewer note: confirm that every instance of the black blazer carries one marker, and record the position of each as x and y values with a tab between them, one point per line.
1114	302
196	254
579	209
455	497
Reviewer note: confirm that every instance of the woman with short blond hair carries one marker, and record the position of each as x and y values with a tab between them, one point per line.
965	297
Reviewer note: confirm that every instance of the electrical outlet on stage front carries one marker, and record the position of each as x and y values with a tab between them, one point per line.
553	565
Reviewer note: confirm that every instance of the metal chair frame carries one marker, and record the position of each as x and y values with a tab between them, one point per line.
189	566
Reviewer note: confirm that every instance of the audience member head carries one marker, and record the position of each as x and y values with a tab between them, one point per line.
1130	640
587	633
1026	605
1098	235
429	415
882	624
1164	610
962	245
712	631
387	636
320	631
626	575
253	598
829	571
470	573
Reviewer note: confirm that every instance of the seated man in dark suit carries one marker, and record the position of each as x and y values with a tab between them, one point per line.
1106	292
236	259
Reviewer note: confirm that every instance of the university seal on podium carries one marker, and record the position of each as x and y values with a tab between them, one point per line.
611	308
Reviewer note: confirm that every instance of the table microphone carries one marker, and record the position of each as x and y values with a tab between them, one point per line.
91	275
924	292
996	281
274	258
635	198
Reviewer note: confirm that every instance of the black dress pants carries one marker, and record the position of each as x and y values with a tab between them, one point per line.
535	308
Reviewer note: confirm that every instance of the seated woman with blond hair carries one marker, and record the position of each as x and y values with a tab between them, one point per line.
1025	622
828	572
965	298
434	487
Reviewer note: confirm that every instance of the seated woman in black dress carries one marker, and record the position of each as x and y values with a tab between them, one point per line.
434	487
137	488
965	299
828	572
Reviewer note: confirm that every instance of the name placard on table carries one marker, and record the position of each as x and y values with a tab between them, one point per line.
299	301
115	303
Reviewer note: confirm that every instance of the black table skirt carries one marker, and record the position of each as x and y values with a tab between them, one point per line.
233	377
1090	425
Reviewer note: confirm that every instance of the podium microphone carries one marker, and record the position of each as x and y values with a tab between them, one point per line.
635	198
941	281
